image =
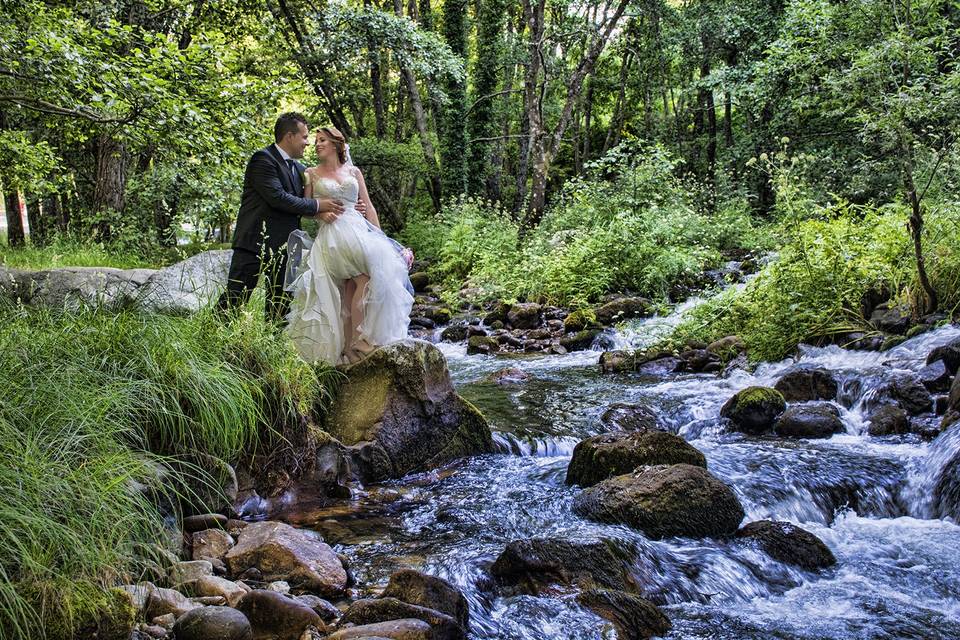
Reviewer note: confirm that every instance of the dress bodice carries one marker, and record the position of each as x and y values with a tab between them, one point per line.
347	190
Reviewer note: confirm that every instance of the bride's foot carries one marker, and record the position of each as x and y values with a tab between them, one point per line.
358	350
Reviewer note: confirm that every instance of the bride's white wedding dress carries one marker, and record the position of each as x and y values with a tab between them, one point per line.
348	247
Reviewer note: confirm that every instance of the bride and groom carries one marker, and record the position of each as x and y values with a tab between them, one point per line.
349	290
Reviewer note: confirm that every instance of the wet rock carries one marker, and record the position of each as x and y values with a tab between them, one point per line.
613	454
621	309
622	416
616	361
497	314
935	376
398	412
952	413
579	320
581	340
891	342
633	617
788	543
888	420
805	382
891	319
482	345
277	616
217	586
280	586
861	341
281	552
454	333
945	501
529	566
422	323
820	420
949	354
727	348
363	612
754	409
204	521
509	375
213	623
182	572
210	543
161	602
436	314
525	315
407	629
323	608
740	363
699	361
423	590
909	393
664	501
420	281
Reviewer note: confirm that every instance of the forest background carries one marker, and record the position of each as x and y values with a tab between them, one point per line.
528	150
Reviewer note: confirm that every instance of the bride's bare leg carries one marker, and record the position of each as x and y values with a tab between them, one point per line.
346	302
356	311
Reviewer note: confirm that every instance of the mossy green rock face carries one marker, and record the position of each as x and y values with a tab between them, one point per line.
613	454
663	501
398	413
579	320
754	409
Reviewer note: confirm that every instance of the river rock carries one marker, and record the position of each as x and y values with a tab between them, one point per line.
483	345
213	623
420	281
406	629
210	543
509	375
891	318
625	308
935	376
699	361
614	454
754	409
323	608
217	586
277	616
281	552
138	595
806	382
949	354
788	543
727	348
888	420
189	285
952	413
820	420
454	333
182	572
633	617
525	315
370	611
71	287
579	320
622	416
580	341
192	524
398	412
908	392
664	501
529	566
423	590
161	602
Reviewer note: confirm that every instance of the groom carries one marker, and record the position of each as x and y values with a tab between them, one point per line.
270	208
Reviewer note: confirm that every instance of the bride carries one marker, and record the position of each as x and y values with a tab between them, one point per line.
351	292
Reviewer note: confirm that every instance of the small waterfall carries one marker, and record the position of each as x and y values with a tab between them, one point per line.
934	489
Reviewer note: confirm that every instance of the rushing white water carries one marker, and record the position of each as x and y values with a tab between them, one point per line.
869	499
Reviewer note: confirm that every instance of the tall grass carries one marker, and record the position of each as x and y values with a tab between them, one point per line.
105	416
816	286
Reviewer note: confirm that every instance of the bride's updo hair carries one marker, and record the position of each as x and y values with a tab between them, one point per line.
339	141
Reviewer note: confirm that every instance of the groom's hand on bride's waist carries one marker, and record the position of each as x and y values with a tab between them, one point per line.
328	209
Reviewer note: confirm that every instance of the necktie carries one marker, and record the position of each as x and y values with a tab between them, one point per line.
293	174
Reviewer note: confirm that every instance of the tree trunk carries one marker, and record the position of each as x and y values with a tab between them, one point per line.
37	221
109	192
453	131
54	213
376	86
616	123
710	112
11	203
530	124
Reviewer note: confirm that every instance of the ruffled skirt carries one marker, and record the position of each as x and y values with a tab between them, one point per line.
349	247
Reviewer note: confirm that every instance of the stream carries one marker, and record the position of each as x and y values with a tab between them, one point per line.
867	498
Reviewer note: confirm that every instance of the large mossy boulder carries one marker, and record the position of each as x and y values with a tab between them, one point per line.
397	412
664	501
625	308
788	543
613	454
818	420
807	382
525	315
754	409
633	617
531	566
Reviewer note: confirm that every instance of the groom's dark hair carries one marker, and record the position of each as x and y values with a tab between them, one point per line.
288	123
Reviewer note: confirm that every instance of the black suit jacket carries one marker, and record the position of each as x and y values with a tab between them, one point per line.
272	204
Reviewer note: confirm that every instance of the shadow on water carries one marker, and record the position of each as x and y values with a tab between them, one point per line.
867	498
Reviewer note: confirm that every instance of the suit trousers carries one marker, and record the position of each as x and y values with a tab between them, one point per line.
246	267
